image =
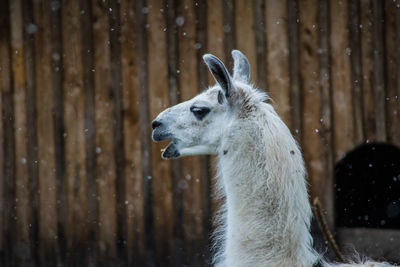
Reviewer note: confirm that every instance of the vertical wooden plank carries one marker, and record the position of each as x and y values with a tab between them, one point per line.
229	29
326	113
278	78
90	130
341	85
76	227
260	32
45	132
245	36
143	49
105	164
379	70
215	30
356	71
132	165
2	158
190	182
2	177
158	101
58	109
8	173
31	125
173	22
23	254
392	100
367	69
309	70
9	170
116	87
397	96
201	46
294	78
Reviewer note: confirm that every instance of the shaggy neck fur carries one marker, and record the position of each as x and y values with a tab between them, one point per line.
262	178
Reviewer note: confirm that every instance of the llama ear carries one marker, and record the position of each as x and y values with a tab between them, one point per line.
241	67
220	73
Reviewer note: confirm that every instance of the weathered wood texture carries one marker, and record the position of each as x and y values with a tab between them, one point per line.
80	81
310	117
74	122
48	230
326	120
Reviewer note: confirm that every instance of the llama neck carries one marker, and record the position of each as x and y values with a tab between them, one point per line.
267	208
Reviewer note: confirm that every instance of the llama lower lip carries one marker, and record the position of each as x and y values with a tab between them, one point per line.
171	151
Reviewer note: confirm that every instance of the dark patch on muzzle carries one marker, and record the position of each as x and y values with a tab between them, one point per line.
160	135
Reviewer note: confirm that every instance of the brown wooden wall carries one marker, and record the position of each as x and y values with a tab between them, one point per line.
80	81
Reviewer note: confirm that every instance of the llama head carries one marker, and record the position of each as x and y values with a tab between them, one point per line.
196	126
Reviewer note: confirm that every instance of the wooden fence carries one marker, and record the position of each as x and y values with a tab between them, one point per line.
80	81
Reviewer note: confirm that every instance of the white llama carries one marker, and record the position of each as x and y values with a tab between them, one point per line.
261	173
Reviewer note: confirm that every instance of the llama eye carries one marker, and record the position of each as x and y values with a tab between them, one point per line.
199	112
220	97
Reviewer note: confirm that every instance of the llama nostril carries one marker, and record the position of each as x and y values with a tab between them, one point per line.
155	124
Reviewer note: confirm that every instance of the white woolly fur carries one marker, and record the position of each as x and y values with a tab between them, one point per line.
262	178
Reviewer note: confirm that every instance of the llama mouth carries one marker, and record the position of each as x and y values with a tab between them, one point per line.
170	152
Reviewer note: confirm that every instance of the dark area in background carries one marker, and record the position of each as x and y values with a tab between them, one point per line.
367	188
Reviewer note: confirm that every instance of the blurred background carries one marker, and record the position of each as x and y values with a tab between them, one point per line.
81	182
